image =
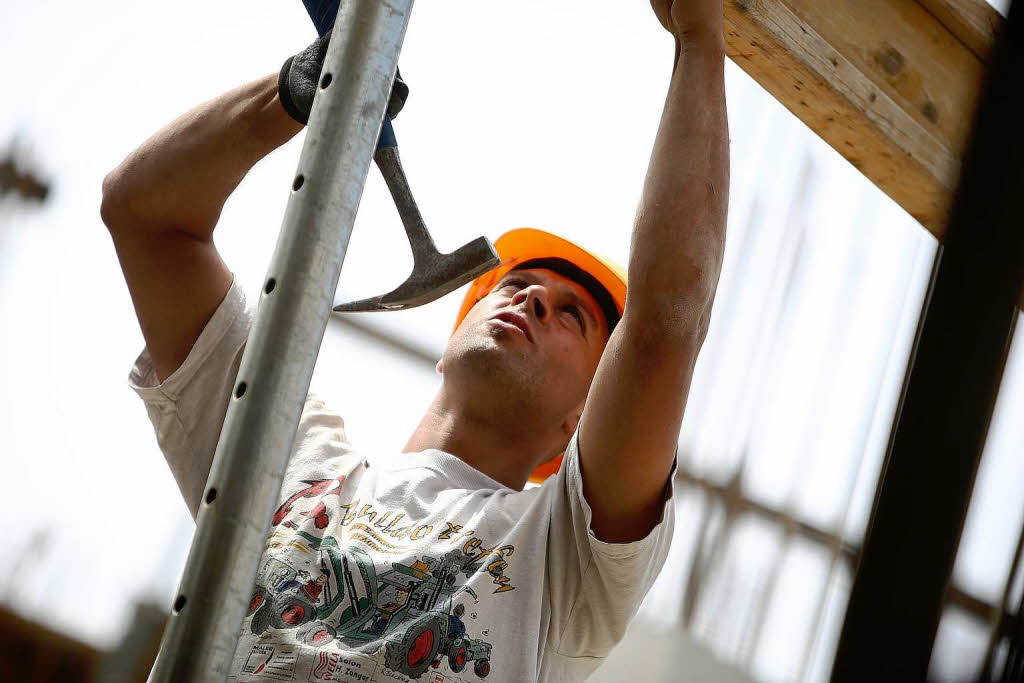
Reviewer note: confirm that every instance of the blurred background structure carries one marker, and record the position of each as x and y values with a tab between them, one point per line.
549	124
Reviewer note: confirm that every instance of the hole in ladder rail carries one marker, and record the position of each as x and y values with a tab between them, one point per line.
271	283
298	182
211	495
240	391
325	81
179	604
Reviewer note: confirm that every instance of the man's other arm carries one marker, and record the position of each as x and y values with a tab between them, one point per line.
162	203
630	425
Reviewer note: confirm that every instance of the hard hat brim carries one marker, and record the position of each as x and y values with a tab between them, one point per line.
526	244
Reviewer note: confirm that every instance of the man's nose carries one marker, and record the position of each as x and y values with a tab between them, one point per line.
536	298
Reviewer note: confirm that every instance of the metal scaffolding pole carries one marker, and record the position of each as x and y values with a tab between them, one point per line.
273	379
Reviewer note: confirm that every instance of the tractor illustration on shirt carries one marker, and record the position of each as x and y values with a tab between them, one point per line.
409	607
462	649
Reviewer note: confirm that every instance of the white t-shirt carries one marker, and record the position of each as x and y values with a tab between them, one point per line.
384	567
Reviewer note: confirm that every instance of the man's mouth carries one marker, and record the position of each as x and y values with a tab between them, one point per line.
515	320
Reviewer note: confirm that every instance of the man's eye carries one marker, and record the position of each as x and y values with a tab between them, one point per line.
576	314
515	284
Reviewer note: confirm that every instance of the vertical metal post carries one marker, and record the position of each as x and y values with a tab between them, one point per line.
273	379
960	350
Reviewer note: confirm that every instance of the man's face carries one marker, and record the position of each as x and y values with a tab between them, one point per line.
535	340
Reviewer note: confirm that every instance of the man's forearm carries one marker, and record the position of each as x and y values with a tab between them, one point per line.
679	236
180	178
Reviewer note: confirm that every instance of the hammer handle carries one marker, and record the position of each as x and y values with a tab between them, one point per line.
322	12
391	168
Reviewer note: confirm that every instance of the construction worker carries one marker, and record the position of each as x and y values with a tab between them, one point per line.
549	356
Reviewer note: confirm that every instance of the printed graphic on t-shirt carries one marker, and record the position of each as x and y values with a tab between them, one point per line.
272	661
364	617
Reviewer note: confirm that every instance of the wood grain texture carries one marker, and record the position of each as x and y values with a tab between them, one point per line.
884	82
974	22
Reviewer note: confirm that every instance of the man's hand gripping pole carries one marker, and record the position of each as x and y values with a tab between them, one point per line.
433	274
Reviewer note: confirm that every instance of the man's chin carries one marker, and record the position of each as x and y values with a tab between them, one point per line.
494	336
489	355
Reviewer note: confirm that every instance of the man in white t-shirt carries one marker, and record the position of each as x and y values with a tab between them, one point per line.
437	563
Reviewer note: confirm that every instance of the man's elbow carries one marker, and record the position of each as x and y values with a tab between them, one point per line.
115	204
131	201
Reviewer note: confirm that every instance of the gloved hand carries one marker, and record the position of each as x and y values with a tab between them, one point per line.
300	75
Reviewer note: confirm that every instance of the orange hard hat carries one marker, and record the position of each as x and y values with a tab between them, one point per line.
518	246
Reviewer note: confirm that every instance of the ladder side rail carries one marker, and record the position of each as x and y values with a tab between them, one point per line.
277	364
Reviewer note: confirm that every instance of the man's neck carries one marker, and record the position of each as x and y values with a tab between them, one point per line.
488	446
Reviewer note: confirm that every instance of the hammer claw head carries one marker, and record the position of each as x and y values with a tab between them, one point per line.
432	277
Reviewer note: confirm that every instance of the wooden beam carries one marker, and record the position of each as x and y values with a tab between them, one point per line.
974	22
884	82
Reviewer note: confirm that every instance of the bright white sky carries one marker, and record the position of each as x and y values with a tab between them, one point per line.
542	115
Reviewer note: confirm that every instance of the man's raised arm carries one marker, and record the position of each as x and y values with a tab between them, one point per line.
161	205
630	426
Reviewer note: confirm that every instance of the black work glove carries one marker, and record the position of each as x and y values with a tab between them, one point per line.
300	74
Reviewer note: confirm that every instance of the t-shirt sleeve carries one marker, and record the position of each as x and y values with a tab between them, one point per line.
596	587
187	409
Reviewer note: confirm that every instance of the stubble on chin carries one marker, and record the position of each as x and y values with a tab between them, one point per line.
488	353
489	363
